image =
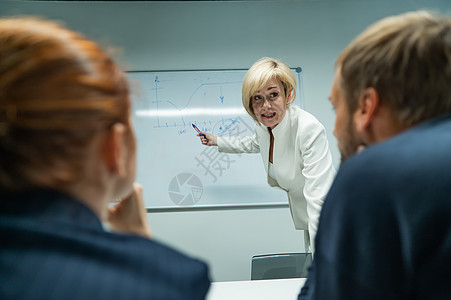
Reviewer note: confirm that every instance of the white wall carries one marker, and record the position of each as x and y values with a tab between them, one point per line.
227	239
220	35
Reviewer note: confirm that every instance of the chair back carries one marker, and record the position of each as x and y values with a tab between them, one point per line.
277	266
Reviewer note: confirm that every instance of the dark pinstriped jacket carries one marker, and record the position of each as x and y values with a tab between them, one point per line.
54	247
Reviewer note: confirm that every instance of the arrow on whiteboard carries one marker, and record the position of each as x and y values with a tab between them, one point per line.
221	96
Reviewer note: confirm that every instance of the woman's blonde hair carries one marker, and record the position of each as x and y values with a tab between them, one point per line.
260	73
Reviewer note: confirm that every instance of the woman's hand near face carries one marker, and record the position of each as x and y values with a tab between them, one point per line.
208	139
130	215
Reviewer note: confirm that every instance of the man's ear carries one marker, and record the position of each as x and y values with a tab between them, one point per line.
367	107
114	150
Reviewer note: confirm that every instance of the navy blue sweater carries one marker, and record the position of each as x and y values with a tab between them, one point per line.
385	227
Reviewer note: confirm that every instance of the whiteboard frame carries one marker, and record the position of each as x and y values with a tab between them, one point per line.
299	72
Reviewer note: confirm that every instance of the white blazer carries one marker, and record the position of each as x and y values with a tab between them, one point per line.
302	163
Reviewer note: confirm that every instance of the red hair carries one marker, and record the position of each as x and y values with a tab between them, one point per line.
57	91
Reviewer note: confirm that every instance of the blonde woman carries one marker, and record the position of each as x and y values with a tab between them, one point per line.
292	142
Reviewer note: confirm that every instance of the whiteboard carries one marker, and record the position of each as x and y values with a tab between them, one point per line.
173	167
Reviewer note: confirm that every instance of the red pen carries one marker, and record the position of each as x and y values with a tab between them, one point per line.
198	131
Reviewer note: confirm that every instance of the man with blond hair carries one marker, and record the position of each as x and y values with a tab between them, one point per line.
385	227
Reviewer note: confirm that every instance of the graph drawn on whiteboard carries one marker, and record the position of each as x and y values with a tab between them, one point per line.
175	169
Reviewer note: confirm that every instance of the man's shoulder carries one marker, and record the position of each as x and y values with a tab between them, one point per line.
418	148
397	168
